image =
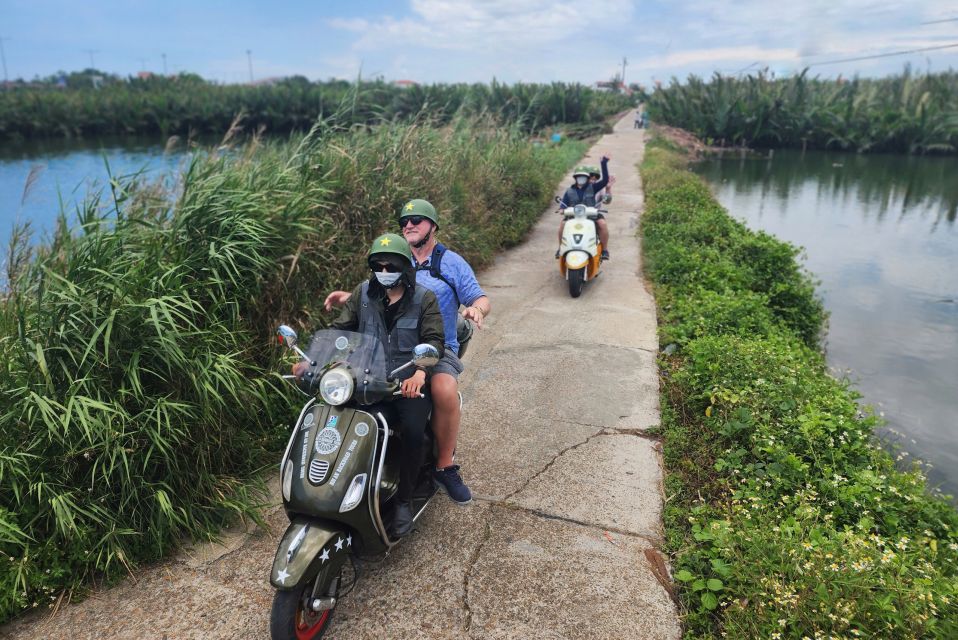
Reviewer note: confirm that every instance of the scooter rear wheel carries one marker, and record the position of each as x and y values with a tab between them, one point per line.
291	619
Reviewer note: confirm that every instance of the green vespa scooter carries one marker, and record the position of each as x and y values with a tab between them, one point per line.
339	474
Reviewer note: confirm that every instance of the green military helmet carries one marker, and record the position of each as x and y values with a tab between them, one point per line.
390	243
419	207
581	170
593	171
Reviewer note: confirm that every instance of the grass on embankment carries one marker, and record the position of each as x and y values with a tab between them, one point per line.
139	374
785	519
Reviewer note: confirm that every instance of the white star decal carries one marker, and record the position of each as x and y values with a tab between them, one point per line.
325	556
349	540
281	576
339	544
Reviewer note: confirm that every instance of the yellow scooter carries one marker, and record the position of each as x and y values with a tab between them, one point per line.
580	252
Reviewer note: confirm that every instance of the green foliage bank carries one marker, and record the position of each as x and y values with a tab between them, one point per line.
187	105
906	113
140	390
785	518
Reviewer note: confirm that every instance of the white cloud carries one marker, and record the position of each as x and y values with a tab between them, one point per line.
718	55
484	27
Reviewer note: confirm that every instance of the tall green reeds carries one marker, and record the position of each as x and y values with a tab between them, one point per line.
187	105
140	395
906	113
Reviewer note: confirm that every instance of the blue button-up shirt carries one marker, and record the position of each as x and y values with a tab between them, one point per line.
457	271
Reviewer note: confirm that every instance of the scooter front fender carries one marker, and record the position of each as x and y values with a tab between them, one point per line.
576	259
307	549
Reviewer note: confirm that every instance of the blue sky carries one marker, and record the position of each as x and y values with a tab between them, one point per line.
474	41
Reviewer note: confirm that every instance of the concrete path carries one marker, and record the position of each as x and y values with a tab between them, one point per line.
562	539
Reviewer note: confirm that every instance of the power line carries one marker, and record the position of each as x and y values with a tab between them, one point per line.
3	57
884	55
940	21
91	52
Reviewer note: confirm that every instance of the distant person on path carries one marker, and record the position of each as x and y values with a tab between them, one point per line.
583	192
638	119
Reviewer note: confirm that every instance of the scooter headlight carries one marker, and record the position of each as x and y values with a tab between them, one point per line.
354	494
579	211
336	386
287	480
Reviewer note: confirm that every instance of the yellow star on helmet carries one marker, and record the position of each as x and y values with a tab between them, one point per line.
409	206
384	242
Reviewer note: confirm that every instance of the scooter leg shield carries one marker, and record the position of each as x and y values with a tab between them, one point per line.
308	548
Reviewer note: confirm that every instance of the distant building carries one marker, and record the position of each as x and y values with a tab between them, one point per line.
266	82
405	84
144	75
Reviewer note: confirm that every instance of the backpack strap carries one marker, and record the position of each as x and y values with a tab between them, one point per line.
435	263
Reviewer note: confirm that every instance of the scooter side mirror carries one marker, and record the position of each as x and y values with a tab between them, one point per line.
425	355
558	200
287	336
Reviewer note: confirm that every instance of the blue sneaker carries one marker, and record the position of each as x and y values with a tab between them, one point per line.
450	481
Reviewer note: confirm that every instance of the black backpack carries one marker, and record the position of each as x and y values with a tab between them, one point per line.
435	262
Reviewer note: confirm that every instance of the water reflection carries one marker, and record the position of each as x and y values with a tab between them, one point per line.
890	185
880	234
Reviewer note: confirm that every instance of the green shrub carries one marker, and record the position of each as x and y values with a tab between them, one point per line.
786	519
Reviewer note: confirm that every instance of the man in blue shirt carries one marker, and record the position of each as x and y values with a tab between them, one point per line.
455	286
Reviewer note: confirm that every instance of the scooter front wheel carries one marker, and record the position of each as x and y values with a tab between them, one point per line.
291	618
576	278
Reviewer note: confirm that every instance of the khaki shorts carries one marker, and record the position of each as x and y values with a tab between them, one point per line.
449	363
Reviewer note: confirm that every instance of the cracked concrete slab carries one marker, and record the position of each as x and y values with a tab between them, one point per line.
562	381
612	481
540	578
498	460
417	591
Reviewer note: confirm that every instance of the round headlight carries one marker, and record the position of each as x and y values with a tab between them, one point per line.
336	386
579	210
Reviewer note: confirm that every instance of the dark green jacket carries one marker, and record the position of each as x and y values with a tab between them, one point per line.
398	339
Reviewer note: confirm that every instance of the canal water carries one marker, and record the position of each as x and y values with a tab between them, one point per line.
38	178
880	233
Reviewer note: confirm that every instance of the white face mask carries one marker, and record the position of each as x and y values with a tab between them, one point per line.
581	180
386	279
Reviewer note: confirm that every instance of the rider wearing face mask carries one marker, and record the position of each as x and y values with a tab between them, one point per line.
455	285
583	191
390	306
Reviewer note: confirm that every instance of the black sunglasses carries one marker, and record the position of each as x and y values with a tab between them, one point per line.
410	219
381	266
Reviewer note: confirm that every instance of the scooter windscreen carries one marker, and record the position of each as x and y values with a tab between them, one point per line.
361	354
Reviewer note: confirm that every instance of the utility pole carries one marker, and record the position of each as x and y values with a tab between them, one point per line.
163	55
249	58
91	52
142	64
624	62
3	57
